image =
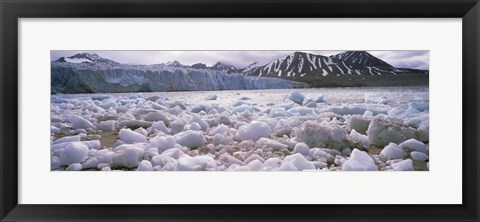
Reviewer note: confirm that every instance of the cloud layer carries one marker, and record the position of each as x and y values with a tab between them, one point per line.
417	59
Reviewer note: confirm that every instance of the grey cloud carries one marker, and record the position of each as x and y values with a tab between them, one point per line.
417	59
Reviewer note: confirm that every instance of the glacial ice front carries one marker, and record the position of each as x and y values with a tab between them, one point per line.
332	129
70	77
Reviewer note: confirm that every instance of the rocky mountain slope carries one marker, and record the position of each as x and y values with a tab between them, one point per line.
351	68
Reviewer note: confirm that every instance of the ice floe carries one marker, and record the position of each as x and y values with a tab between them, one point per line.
260	130
359	161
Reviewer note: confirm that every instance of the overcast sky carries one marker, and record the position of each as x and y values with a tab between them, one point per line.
418	59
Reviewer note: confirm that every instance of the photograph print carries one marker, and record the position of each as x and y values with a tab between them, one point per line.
249	110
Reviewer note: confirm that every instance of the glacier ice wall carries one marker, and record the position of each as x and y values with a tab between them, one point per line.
95	78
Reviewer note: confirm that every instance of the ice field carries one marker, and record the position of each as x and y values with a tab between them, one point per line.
328	129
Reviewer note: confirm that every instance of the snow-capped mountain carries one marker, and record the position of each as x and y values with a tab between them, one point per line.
225	67
360	58
300	64
199	66
173	63
249	67
86	58
295	64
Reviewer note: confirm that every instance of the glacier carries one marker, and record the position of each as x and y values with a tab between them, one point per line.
120	78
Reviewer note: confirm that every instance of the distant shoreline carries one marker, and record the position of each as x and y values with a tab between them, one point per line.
367	81
326	87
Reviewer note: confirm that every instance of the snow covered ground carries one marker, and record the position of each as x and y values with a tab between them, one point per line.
331	129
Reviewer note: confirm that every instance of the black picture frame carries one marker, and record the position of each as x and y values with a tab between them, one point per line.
12	10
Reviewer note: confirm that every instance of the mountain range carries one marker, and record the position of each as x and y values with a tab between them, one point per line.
350	68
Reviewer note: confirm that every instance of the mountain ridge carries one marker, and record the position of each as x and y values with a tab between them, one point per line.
300	64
